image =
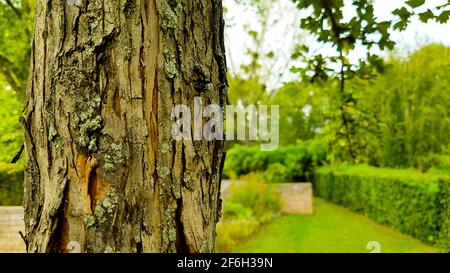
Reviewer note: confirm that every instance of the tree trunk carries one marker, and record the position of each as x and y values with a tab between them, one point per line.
102	168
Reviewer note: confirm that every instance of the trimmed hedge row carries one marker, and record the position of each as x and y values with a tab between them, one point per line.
412	202
444	198
286	164
11	185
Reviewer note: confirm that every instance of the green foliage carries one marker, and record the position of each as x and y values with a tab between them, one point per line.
252	203
352	126
11	185
246	91
444	206
236	210
411	102
444	165
432	161
16	21
231	232
262	198
11	134
403	15
303	107
326	21
394	119
291	163
408	200
384	112
276	172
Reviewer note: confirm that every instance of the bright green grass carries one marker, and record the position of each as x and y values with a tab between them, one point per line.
330	229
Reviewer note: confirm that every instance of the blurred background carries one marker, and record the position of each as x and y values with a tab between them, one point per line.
372	157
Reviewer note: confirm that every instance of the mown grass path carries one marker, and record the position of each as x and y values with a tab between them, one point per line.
330	229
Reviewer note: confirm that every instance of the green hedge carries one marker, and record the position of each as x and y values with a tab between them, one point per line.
11	185
444	198
412	202
286	164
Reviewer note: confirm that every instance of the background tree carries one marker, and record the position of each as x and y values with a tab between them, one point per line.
102	169
326	21
412	101
16	17
265	61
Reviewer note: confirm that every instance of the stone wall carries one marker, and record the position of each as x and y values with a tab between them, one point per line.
11	222
297	198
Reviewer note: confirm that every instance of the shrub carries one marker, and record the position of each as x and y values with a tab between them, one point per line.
252	202
11	185
263	199
233	231
444	165
298	161
277	172
236	210
413	202
432	161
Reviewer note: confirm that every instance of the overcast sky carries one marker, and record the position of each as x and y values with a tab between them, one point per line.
286	32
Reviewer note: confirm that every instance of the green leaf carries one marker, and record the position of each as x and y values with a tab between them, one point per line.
415	3
403	13
426	16
383	26
253	34
401	25
443	18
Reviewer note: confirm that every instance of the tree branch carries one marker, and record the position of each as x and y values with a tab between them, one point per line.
4	63
16	11
336	30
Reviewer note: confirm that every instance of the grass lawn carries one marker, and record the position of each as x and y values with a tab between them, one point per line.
330	229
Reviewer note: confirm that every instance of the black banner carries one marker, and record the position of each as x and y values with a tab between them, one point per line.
220	262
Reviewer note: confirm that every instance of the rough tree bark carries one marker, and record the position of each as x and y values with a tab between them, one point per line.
102	169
